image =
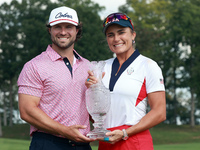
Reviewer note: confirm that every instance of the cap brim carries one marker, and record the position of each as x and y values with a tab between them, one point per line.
122	23
63	21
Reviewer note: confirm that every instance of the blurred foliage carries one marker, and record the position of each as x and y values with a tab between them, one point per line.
167	31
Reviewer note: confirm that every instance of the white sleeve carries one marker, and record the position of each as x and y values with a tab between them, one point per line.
154	77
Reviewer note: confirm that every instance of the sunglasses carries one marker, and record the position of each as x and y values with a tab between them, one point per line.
116	16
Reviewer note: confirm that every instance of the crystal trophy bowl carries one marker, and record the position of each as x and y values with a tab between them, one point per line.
98	101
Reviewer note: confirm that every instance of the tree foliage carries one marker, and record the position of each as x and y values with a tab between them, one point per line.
24	35
167	31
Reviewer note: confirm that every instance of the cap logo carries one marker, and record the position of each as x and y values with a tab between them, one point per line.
60	15
118	18
113	20
63	15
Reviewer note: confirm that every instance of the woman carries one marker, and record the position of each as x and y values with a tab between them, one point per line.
134	80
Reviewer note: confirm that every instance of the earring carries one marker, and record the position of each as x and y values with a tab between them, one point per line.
133	41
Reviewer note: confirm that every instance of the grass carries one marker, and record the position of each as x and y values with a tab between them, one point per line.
186	146
13	144
165	137
19	131
172	134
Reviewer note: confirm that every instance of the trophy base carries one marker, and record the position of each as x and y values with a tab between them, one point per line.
97	134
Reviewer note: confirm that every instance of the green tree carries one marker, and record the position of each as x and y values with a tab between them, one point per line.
189	22
23	36
164	28
9	51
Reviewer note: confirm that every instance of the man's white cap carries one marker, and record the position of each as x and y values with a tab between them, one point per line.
63	15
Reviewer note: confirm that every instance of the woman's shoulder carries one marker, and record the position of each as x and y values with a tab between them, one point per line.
147	61
149	64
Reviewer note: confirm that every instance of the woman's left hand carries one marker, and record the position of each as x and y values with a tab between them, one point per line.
114	136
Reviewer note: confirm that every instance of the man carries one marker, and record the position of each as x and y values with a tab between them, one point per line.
52	88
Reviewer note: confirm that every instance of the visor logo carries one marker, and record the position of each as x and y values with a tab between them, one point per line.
113	20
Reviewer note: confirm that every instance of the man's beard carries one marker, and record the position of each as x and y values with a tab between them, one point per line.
63	46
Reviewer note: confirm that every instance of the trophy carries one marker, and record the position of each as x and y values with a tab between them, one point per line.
98	101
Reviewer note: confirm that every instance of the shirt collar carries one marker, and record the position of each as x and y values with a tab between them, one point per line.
115	66
55	56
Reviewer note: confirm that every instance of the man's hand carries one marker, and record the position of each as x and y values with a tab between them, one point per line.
73	133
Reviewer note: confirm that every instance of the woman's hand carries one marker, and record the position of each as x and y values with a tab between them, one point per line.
114	136
91	79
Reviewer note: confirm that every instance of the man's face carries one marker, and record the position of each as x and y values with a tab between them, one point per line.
63	35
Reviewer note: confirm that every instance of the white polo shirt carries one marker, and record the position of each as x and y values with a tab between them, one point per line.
137	77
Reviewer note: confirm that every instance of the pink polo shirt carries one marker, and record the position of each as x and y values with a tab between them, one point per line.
62	96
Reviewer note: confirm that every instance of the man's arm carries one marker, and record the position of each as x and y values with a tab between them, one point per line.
29	111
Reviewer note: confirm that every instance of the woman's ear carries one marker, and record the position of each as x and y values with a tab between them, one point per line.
133	35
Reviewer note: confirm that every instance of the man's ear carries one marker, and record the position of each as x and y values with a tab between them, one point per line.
49	30
77	31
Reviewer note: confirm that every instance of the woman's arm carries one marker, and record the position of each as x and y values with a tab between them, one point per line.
156	115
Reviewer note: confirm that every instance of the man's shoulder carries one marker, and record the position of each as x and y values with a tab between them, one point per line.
85	60
39	59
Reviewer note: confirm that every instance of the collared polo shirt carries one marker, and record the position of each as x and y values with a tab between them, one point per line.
129	88
62	96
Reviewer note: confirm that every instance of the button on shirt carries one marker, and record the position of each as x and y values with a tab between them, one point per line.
62	96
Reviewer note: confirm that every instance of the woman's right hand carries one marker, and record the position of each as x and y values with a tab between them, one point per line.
91	79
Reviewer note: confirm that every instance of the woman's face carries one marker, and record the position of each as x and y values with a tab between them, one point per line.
120	39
